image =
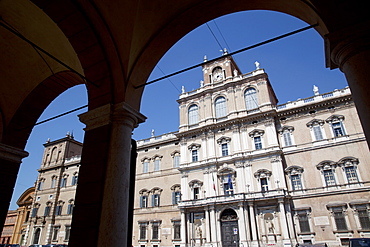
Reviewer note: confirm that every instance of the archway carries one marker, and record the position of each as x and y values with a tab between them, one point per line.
116	58
229	228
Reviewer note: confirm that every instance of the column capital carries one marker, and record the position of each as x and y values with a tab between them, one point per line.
345	43
11	153
108	113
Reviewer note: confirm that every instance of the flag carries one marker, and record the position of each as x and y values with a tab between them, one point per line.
230	182
214	185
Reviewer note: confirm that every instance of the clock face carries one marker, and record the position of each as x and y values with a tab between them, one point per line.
217	74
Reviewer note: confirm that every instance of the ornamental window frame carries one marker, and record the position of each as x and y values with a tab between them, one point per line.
263	177
193	114
40	184
74	179
227	176
250	98
48	208
303	226
196	188
296	171
359	208
317	129
339	217
346	163
144	198
155	225
194	151
63	181
59	208
176	224
143	228
220	107
286	136
71	205
156	196
176	158
338	130
176	194
224	146
54	180
145	161
327	168
157	162
257	137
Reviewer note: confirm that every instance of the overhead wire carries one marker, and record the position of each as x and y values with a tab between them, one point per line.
229	54
161	78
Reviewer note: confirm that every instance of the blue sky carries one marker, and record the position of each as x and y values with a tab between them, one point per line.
294	64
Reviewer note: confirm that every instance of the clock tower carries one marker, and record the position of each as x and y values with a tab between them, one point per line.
220	70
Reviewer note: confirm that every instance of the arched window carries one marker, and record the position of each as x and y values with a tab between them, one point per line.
250	96
220	107
193	114
36	236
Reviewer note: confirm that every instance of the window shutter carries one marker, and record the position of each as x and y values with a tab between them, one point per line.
173	198
141	201
152	200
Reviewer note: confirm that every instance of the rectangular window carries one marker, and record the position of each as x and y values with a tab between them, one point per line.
264	185
303	222
176	197
155	200
143	201
329	177
287	139
67	233
363	216
145	167
70	209
34	212
58	210
257	142
55	233
74	180
317	132
338	129
63	183
194	155
224	149
142	235
340	220
351	174
296	182
177	230
47	211
155	231
196	193
53	182
39	185
157	164
176	161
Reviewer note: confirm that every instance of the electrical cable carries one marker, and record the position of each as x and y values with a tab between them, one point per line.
164	77
229	54
214	36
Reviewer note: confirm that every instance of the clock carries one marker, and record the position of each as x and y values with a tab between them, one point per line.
217	74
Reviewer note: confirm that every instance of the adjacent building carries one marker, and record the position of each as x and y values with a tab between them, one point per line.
241	170
51	214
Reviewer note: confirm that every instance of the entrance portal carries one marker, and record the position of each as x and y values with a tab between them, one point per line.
229	228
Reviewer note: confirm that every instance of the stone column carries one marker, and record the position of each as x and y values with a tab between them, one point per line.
10	160
252	216
102	199
283	222
349	50
242	225
212	216
183	228
207	226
